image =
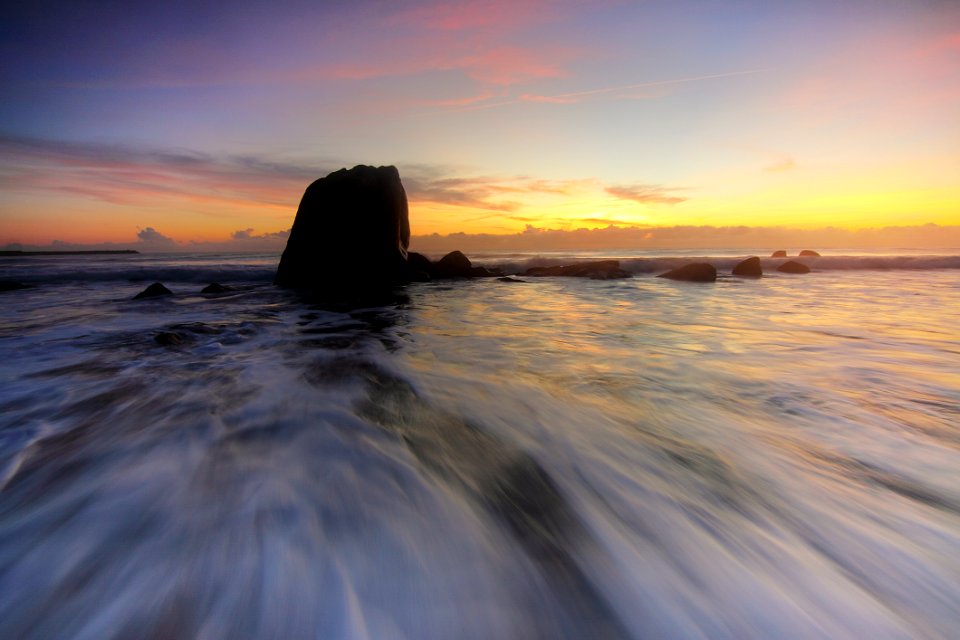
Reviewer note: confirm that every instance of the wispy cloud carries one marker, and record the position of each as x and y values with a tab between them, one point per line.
781	164
646	193
623	91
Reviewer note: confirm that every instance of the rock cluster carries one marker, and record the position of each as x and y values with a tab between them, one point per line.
598	270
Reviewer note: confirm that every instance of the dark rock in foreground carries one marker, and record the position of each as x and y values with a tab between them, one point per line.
11	285
694	272
350	235
809	253
779	254
153	291
509	279
215	287
749	268
598	270
793	267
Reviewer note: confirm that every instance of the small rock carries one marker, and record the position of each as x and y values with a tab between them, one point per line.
509	279
11	285
793	267
779	254
810	253
483	272
694	272
749	268
215	287
169	339
153	291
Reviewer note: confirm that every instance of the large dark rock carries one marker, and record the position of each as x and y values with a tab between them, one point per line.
792	266
779	254
749	268
693	272
153	291
810	253
453	265
350	235
597	270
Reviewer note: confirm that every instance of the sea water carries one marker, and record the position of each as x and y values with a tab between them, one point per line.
556	458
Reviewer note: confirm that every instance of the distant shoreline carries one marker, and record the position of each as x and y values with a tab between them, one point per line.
105	252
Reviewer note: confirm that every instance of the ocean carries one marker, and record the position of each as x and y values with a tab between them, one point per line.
555	458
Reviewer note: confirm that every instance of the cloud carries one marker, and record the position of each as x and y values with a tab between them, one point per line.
155	239
245	235
645	193
127	174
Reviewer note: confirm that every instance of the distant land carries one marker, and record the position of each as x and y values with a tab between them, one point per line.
68	253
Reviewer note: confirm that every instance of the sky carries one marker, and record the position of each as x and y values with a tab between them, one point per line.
198	124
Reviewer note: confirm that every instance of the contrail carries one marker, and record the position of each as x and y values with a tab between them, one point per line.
593	92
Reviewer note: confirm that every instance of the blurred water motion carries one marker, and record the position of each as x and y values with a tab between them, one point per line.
558	459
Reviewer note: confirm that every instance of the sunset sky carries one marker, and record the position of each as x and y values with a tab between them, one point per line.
175	124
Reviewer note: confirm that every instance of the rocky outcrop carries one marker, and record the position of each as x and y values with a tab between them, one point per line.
598	270
779	254
350	235
749	268
693	272
153	291
792	266
810	253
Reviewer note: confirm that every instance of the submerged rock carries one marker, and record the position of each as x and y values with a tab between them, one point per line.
793	266
153	291
749	268
215	287
779	254
597	270
693	272
350	235
509	279
809	253
169	339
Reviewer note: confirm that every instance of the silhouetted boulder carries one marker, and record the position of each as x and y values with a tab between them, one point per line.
809	253
453	265
11	285
597	270
779	254
350	235
749	268
509	279
215	287
153	291
793	266
693	272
